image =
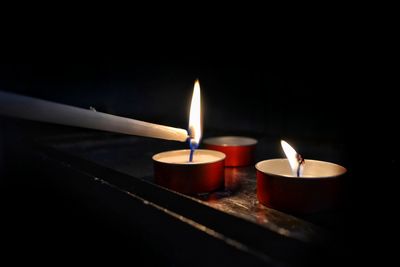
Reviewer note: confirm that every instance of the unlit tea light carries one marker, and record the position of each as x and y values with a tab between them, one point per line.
239	151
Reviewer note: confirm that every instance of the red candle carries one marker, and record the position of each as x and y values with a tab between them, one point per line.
319	188
172	169
239	151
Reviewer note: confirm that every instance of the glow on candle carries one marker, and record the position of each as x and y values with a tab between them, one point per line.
195	119
295	161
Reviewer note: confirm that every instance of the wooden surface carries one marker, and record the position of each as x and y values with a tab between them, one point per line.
231	215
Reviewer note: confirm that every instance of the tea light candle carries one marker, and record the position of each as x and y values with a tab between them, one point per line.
239	151
205	173
193	170
318	188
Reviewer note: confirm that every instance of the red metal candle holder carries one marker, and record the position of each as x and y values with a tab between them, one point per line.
320	188
239	151
173	170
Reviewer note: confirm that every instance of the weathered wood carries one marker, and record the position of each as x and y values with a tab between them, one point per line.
232	215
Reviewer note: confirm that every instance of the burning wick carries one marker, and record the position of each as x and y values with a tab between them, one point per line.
192	144
301	162
296	161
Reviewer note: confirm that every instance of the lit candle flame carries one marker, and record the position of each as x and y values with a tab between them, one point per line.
195	116
295	160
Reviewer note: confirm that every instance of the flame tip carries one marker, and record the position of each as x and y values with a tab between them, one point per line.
292	157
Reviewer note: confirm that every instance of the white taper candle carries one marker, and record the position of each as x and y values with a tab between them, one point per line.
41	110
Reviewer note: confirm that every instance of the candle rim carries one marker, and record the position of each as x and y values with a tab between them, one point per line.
221	156
342	171
211	141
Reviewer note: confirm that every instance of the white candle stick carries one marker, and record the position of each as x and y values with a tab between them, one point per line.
46	111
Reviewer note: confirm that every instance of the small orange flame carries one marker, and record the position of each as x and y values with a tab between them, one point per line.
293	158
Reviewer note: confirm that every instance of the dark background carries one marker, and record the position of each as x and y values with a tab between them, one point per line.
304	96
308	96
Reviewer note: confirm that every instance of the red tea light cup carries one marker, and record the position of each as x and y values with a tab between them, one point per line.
173	170
239	151
318	189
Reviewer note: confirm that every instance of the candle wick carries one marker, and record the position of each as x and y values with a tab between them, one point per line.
193	145
191	155
300	160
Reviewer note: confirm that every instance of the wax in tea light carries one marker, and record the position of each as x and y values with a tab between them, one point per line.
172	169
239	151
180	157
